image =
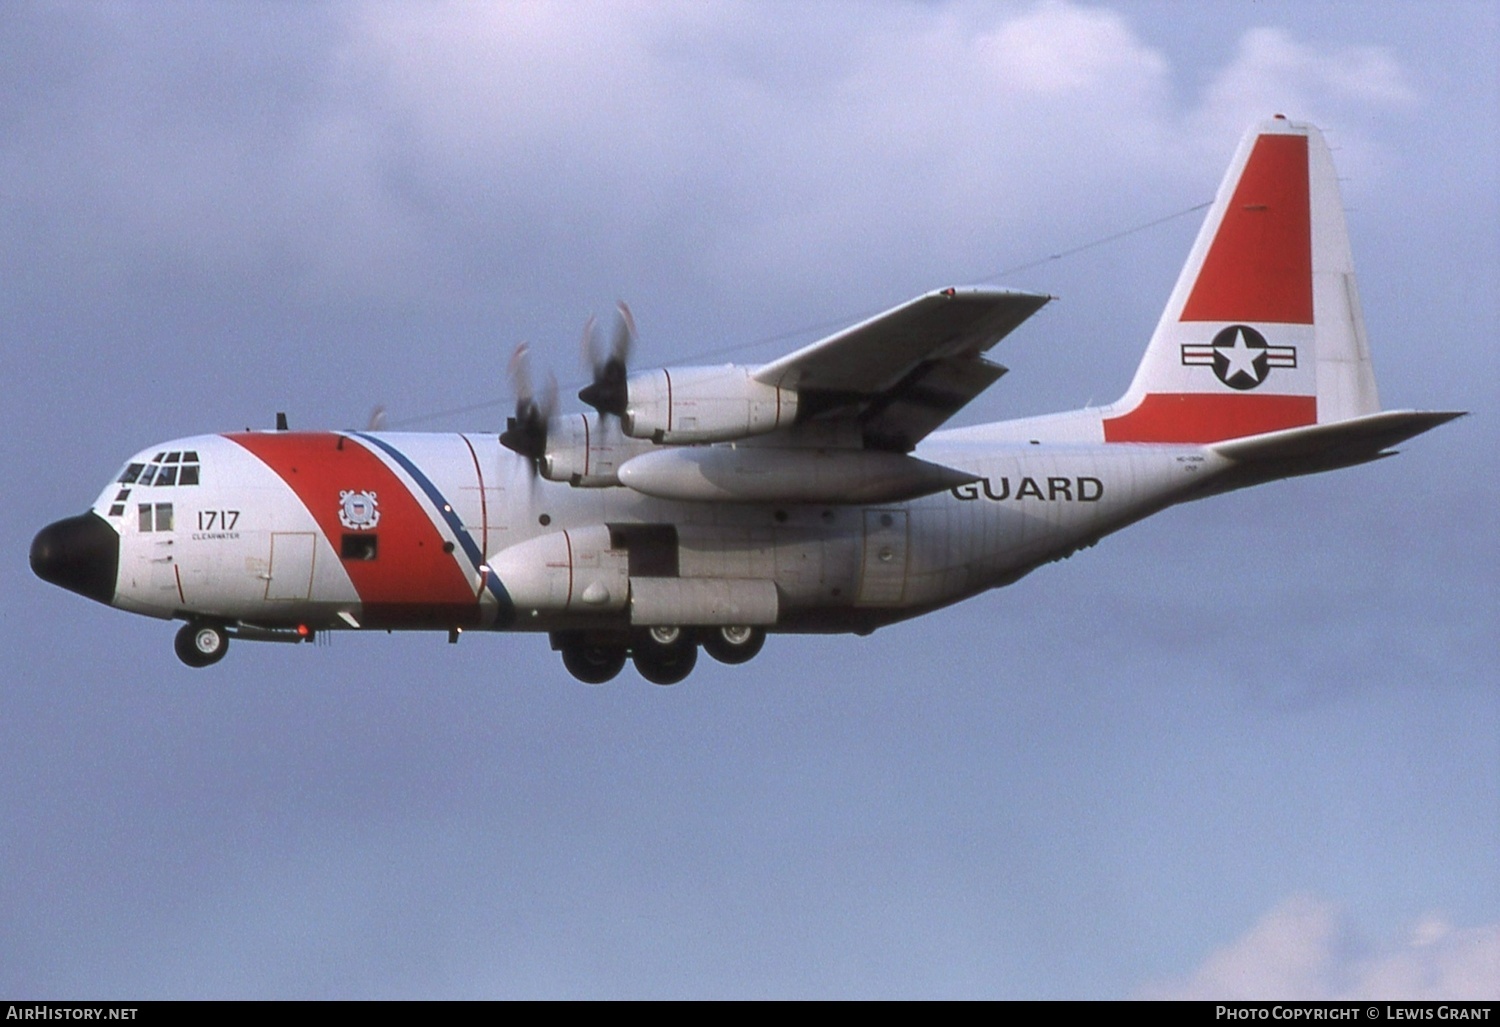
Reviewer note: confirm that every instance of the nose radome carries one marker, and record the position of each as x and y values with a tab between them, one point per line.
82	554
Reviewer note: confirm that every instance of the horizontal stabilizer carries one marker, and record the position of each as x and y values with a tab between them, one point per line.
1322	447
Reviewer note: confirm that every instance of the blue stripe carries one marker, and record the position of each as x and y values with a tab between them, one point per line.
450	515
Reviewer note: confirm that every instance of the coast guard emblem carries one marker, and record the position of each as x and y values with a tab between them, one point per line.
358	510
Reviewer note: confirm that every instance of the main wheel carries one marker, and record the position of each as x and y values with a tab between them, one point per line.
199	645
733	643
664	656
593	664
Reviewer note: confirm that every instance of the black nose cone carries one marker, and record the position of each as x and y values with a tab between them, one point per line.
81	554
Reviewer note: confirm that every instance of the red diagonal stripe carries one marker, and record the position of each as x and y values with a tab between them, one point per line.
412	582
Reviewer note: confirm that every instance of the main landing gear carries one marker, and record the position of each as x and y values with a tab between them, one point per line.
662	655
199	645
734	644
593	664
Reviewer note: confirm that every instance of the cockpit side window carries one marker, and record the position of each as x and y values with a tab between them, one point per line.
155	516
131	473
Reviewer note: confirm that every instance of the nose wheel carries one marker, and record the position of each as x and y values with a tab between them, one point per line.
200	645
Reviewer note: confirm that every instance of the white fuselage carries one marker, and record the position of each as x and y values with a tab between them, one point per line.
343	530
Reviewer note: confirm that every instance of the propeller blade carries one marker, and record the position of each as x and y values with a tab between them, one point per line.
593	356
624	333
520	374
607	393
526	432
547	405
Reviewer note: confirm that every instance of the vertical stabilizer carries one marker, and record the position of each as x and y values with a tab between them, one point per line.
1263	330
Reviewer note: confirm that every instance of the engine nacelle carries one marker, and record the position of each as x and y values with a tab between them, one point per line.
687	405
586	450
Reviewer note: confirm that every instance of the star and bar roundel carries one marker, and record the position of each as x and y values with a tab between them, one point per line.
1240	356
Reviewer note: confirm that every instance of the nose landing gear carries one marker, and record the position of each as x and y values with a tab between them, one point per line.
200	644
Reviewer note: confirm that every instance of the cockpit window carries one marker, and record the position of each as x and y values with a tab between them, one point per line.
166	470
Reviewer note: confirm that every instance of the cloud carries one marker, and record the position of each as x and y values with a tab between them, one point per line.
1305	949
1341	88
1273	70
433	151
853	150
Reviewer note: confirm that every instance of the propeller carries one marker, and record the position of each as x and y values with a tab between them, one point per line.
607	393
526	433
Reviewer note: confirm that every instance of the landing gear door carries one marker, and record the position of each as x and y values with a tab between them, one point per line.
291	565
882	575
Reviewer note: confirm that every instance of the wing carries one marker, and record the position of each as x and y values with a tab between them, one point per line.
904	372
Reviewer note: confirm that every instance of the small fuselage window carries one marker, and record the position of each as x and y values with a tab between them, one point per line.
358	547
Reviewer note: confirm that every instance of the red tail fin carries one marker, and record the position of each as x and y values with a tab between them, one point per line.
1263	330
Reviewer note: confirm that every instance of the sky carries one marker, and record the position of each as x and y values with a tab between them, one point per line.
1249	747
